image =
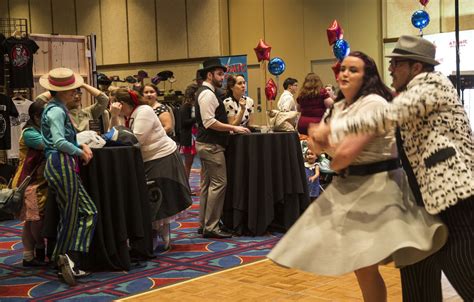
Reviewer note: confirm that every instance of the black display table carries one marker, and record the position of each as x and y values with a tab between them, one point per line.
266	182
115	180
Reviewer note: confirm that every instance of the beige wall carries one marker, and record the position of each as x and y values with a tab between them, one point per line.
296	30
397	16
397	21
143	33
157	35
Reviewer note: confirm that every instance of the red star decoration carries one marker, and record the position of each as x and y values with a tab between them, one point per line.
262	51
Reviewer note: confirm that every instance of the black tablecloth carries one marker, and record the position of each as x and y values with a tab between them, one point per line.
115	180
266	182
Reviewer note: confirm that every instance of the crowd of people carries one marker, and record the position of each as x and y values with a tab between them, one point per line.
403	162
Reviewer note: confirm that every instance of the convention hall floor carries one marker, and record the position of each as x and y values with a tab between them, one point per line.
265	281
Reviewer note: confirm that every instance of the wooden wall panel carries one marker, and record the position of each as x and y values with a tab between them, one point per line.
142	30
64	17
365	36
114	32
245	35
4	13
172	32
398	18
286	38
466	15
88	22
19	9
318	16
223	14
41	57
40	13
203	28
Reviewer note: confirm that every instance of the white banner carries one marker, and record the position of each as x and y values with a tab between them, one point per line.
446	56
446	51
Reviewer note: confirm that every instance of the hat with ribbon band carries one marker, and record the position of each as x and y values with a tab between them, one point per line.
61	79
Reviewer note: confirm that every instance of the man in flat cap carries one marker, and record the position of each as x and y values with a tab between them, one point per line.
435	144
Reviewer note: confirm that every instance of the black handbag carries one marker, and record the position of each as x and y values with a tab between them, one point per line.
11	200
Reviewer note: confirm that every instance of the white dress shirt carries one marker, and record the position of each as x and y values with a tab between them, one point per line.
286	102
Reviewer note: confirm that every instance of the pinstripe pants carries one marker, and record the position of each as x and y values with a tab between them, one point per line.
422	281
78	213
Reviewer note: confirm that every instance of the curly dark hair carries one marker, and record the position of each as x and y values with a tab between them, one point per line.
371	83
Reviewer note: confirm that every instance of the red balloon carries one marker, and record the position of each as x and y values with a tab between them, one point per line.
270	90
336	68
262	51
334	32
424	2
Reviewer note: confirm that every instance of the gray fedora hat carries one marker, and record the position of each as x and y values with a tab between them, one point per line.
416	49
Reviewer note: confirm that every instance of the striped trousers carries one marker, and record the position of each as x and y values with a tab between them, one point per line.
422	281
77	212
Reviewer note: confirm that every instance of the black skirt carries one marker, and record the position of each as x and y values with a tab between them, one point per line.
168	187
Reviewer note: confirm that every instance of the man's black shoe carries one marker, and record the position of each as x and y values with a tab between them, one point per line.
34	263
225	229
216	234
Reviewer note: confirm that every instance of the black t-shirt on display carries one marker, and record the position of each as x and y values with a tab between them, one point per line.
2	69
20	52
7	109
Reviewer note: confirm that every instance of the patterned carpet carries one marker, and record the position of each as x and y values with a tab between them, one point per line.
190	256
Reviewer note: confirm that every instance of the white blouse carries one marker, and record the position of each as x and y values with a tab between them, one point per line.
154	143
232	107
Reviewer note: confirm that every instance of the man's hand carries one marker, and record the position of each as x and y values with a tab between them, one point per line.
240	129
86	154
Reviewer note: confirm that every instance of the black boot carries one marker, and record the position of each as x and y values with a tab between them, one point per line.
50	245
40	254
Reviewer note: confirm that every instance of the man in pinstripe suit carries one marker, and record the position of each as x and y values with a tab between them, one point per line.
435	143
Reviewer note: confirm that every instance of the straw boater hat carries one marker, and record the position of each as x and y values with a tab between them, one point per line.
416	49
61	79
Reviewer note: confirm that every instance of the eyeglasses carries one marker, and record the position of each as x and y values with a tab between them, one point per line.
396	63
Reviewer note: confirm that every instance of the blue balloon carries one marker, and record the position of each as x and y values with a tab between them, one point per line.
276	66
420	19
341	49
